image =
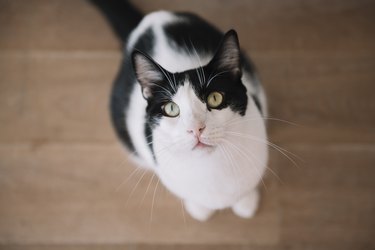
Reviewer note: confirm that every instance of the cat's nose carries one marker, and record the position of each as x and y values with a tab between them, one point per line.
197	130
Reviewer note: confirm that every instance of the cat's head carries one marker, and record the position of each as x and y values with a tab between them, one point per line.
192	109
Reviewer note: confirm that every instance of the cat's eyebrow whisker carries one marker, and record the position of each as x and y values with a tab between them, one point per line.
175	83
167	95
163	88
202	78
212	78
165	74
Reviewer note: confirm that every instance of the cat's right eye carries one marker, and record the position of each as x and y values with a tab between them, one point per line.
215	99
171	109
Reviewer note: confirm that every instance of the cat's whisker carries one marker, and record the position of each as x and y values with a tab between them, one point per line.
268	168
243	154
183	211
238	120
233	165
202	78
127	179
166	75
274	146
153	201
165	96
167	91
217	75
148	187
175	83
159	151
135	187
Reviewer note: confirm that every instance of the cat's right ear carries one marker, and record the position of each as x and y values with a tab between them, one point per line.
149	74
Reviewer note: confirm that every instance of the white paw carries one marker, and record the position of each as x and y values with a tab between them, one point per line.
247	206
198	212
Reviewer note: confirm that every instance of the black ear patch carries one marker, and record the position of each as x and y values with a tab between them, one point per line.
228	56
149	74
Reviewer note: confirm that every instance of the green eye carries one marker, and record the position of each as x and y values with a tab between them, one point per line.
171	109
215	99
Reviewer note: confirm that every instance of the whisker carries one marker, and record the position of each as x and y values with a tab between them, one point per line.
135	187
175	83
238	120
153	201
183	211
148	187
167	91
244	155
234	166
268	168
212	78
202	81
127	179
278	148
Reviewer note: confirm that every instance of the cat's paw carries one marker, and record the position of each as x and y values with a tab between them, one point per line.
197	211
247	206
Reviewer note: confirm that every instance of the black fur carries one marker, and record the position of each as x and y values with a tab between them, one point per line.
193	34
122	16
123	86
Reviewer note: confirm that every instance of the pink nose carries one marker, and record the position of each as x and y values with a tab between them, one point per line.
197	130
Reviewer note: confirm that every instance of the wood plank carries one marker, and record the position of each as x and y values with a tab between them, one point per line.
53	25
60	96
329	200
138	247
262	25
66	194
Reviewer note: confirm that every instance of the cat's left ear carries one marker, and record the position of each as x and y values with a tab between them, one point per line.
228	56
149	74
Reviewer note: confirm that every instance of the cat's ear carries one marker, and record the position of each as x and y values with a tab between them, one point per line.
228	56
149	74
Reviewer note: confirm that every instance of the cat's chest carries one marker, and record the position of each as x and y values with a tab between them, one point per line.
214	179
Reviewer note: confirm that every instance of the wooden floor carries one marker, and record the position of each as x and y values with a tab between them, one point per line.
64	177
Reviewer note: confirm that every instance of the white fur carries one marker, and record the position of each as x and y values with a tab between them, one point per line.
206	179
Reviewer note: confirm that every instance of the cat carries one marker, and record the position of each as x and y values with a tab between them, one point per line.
188	104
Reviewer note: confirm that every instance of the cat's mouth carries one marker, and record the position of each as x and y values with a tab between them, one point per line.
201	145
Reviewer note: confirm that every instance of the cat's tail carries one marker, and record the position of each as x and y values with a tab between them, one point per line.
121	15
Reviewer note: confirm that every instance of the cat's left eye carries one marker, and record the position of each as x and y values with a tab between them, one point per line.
215	99
171	109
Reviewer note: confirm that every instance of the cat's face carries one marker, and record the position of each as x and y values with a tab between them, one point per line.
191	110
195	117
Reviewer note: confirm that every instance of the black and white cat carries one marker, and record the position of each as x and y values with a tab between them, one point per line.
187	103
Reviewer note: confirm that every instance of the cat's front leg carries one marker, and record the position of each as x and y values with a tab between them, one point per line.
197	211
247	206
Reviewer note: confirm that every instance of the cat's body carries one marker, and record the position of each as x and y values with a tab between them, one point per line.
187	104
